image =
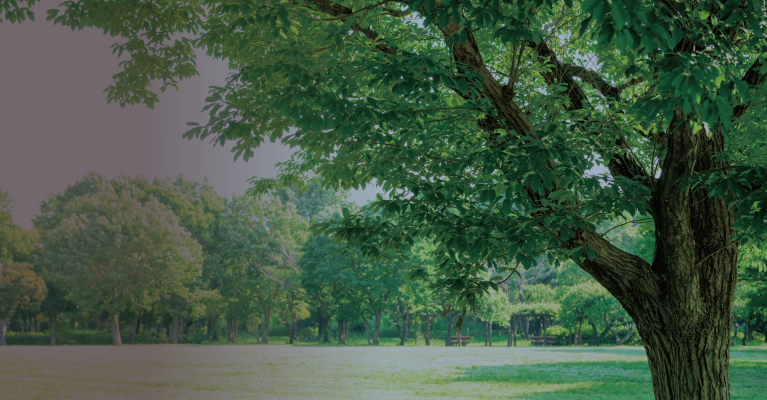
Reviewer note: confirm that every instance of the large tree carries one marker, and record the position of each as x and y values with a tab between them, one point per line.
112	252
480	119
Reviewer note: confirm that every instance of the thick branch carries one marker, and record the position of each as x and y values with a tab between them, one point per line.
621	164
338	10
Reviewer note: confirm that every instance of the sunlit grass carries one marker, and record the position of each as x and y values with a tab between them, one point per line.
344	372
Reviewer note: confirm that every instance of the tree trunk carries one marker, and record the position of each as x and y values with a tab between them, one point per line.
598	340
578	336
133	326
116	340
181	330
408	325
340	331
427	331
515	323
173	336
745	332
490	332
367	330
627	336
265	325
212	321
346	331
681	302
3	331
294	333
376	325
450	330
527	328
594	334
231	330
53	330
735	336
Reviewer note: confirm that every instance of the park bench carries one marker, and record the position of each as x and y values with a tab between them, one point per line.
463	339
543	340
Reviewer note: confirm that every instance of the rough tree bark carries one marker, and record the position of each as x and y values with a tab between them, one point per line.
427	330
378	313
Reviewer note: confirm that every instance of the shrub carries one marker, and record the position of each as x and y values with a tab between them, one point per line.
560	332
30	338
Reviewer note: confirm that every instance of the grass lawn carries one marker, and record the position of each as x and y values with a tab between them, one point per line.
343	372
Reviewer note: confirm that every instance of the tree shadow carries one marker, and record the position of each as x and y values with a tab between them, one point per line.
601	379
623	351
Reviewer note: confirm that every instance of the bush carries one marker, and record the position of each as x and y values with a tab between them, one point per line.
560	332
30	339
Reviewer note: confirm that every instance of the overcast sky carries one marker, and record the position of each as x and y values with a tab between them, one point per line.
55	123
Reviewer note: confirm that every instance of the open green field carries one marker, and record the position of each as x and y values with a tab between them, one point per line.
343	372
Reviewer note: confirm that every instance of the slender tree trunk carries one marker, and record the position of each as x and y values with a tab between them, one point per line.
490	331
427	331
627	336
296	324
745	333
408	321
212	320
735	336
450	330
181	330
367	330
133	326
527	328
231	329
515	323
116	340
3	331
346	331
265	325
53	318
174	329
578	336
376	325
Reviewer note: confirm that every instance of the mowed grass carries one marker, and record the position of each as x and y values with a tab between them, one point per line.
343	372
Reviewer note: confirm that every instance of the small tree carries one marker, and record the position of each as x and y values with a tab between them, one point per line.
494	307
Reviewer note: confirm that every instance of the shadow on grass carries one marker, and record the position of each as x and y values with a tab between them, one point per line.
622	351
602	380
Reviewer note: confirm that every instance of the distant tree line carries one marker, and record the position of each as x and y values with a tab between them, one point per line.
174	258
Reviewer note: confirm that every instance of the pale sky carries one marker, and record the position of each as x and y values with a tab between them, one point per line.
55	124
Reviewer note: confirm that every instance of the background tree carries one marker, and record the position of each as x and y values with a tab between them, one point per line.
258	246
15	242
111	251
19	287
